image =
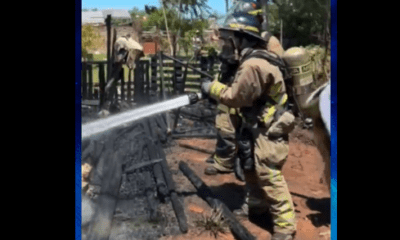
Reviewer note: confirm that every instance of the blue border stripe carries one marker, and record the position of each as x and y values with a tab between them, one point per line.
78	120
334	120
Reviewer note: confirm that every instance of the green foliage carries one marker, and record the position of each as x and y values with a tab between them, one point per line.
156	19
138	17
321	60
183	30
174	23
190	9
91	40
211	48
164	44
186	42
136	13
302	20
190	29
119	22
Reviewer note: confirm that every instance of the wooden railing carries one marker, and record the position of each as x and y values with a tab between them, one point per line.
137	85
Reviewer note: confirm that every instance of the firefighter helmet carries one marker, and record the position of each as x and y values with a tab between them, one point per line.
243	23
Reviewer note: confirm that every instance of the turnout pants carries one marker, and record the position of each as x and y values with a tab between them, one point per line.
266	186
225	152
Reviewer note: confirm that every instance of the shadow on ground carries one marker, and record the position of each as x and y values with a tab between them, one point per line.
233	196
323	206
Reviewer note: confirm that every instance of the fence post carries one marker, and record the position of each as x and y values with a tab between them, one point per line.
179	85
102	83
154	85
162	83
108	25
211	62
129	97
138	83
146	68
122	77
83	83
90	90
203	67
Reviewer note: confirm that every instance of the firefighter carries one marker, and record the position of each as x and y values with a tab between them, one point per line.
222	161
258	95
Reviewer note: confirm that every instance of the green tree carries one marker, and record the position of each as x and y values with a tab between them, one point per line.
305	21
137	13
181	30
91	40
189	9
308	22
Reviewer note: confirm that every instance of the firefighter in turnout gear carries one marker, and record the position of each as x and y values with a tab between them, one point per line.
222	161
258	96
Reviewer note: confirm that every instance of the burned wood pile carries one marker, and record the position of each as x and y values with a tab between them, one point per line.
130	179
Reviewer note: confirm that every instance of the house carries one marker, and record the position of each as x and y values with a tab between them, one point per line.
97	18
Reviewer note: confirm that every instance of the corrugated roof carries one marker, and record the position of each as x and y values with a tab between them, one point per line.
93	17
117	13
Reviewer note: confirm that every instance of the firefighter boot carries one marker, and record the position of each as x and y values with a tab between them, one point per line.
245	211
210	170
210	160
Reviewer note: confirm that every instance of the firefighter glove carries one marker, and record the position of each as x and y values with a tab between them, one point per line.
205	89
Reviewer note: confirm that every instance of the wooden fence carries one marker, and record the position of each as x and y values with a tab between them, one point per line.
139	84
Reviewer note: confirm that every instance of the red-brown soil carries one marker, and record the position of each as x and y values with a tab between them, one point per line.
302	171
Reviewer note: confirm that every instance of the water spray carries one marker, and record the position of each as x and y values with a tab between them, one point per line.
102	125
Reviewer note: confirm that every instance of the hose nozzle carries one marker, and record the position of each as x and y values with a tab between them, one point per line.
194	97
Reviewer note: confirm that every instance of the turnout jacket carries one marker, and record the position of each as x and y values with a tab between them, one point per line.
255	79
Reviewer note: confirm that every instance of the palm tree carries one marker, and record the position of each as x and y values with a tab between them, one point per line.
190	9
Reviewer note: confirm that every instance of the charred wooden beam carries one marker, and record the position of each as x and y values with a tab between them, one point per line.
156	151
158	174
176	204
205	192
100	227
176	136
196	148
151	200
142	164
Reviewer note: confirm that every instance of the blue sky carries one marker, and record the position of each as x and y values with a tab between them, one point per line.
218	5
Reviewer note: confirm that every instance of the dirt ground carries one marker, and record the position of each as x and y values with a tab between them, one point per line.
302	171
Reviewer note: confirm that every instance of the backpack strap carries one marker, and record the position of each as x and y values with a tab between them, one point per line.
270	57
261	102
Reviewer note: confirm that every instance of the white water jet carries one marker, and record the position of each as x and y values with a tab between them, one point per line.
99	126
